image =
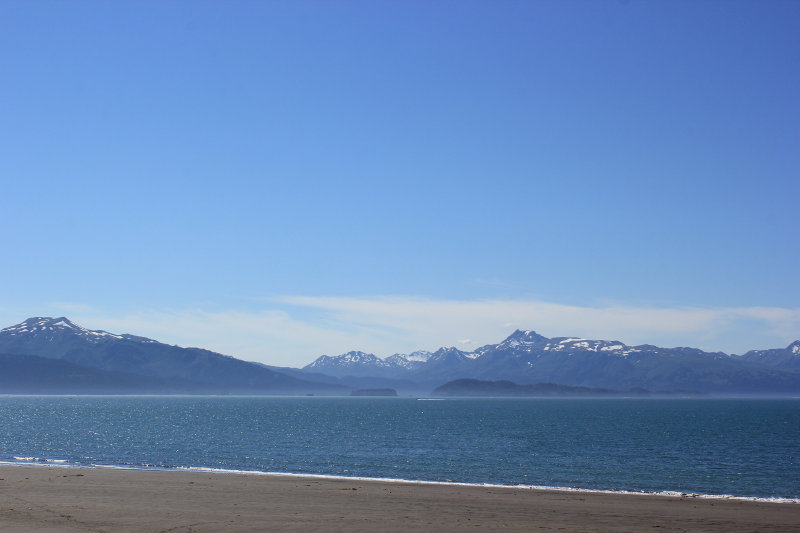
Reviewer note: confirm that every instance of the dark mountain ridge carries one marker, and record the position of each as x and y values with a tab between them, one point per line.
788	357
475	387
30	374
192	369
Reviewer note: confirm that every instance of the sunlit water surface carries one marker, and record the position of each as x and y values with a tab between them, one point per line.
733	447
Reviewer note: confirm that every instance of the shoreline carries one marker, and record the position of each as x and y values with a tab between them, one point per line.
66	498
59	463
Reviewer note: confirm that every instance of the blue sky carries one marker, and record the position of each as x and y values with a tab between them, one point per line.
278	180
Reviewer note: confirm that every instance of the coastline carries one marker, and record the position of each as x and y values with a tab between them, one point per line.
59	498
35	462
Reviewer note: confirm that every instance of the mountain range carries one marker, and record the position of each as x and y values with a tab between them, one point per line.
70	358
55	355
527	357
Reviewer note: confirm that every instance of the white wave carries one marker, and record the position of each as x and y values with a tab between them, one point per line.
117	467
226	471
39	460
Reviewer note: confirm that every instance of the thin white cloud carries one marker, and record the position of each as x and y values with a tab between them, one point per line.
271	337
294	330
438	322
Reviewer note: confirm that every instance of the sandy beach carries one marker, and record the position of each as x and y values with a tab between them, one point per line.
66	500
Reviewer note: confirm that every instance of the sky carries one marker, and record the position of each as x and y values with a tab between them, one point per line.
279	180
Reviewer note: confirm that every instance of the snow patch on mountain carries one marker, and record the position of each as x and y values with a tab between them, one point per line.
569	344
409	361
421	356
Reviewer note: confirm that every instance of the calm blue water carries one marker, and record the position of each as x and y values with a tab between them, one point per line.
735	447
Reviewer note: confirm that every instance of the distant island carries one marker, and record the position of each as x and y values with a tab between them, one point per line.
476	387
374	392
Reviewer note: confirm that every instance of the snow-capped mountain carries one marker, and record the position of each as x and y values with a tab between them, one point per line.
528	357
360	364
48	328
353	358
352	363
451	354
522	338
420	356
409	361
123	357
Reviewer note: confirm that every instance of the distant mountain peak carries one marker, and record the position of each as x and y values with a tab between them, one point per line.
451	353
49	326
357	352
410	360
448	350
419	355
350	358
37	323
526	336
43	324
356	356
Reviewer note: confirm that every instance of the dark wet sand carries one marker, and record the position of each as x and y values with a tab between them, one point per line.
34	499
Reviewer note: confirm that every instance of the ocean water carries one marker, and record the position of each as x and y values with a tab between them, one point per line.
736	447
